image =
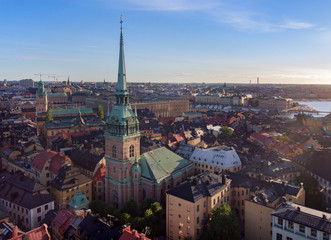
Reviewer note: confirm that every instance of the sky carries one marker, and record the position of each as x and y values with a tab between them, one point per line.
175	41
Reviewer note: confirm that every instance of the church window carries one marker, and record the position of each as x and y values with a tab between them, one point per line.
132	151
114	151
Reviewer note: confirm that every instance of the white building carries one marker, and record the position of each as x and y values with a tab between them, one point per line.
295	222
216	159
26	201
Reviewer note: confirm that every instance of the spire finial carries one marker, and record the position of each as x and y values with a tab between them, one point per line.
121	21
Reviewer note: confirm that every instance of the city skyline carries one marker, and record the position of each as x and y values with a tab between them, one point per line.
167	41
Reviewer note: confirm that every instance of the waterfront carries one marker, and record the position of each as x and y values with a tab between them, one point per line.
323	106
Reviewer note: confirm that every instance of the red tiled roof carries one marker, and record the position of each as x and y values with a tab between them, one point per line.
40	160
264	138
63	220
100	174
128	234
57	162
39	233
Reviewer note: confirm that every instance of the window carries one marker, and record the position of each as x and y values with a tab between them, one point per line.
179	216
198	220
290	225
198	231
279	236
302	228
132	151
313	232
198	208
179	204
214	201
218	199
46	207
280	221
114	151
39	219
38	210
289	238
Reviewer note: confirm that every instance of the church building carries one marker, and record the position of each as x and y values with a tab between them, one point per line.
129	174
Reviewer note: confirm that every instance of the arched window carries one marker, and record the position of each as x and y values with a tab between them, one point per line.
114	151
132	151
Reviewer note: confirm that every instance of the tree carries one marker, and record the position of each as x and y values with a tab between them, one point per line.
313	196
100	112
49	116
147	204
295	104
226	132
125	218
102	208
130	207
283	138
223	225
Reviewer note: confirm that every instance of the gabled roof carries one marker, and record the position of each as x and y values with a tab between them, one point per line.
63	220
305	216
202	185
57	160
85	159
161	163
98	230
100	174
39	233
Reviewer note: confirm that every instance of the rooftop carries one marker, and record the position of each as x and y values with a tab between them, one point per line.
202	185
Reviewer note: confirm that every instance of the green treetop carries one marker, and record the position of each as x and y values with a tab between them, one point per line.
100	112
49	116
223	225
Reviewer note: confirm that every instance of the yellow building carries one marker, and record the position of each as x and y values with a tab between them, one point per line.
66	184
189	204
259	207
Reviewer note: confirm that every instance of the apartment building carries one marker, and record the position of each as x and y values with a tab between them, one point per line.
292	221
189	204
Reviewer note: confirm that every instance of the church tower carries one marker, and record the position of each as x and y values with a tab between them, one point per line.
122	141
41	98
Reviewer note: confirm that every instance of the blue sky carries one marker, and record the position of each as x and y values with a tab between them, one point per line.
283	41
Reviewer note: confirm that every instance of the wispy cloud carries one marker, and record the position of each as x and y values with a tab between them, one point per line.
224	13
253	21
174	5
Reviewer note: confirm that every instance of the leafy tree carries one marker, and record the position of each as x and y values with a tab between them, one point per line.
223	225
313	196
283	138
147	204
226	132
130	207
56	108
102	208
125	218
295	104
49	116
101	113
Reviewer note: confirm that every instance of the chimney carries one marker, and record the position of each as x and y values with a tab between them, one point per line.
301	185
223	179
15	231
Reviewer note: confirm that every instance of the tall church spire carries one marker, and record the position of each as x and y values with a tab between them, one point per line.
121	79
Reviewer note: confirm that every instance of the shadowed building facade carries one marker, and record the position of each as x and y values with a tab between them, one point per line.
129	175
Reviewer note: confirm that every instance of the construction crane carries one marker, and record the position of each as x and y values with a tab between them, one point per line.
55	78
41	74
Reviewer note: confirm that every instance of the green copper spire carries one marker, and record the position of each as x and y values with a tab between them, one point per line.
122	122
121	78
